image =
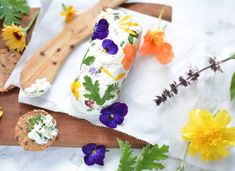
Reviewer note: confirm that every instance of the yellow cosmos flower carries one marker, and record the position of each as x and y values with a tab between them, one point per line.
74	88
209	135
125	25
69	12
14	37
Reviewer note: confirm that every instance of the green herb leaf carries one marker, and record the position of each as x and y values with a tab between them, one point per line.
130	39
34	120
88	60
128	159
11	10
93	88
232	88
233	56
149	157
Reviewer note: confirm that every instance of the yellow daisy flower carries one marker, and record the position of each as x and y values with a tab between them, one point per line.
74	88
68	12
14	37
125	25
209	135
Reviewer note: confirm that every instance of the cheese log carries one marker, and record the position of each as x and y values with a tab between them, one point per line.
107	62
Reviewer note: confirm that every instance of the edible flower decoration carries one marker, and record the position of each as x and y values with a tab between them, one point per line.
110	47
69	13
101	30
1	112
208	134
15	36
74	88
94	154
129	56
155	44
113	115
106	71
125	25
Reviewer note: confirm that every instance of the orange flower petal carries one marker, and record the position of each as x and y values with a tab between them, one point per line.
148	47
129	52
165	53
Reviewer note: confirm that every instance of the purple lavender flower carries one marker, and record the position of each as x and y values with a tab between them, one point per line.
101	30
94	154
110	46
113	115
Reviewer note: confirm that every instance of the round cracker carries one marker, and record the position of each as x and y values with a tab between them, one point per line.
21	132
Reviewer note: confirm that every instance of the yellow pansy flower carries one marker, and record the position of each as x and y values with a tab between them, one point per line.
14	37
69	12
209	135
74	88
125	25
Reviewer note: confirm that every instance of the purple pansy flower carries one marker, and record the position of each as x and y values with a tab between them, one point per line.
94	154
101	30
110	47
113	115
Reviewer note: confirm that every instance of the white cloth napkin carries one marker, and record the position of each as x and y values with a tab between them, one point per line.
147	79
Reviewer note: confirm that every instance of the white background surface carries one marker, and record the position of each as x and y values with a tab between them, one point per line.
213	17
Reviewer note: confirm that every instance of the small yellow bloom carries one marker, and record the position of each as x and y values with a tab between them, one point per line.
117	78
14	37
69	12
125	25
74	88
1	112
209	135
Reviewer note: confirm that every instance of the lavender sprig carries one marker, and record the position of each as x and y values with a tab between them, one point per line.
191	76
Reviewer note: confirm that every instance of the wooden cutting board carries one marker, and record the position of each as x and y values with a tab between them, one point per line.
73	132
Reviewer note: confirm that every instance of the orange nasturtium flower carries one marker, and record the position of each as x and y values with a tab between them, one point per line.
129	52
154	44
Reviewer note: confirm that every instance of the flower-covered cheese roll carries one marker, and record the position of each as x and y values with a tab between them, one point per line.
107	62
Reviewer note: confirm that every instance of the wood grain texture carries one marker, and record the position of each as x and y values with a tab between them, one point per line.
73	132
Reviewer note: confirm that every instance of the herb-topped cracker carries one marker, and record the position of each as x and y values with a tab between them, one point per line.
36	130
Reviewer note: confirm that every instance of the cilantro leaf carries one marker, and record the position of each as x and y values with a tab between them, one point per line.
11	10
128	159
149	157
88	60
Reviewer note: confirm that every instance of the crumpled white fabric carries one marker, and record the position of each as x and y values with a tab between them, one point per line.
146	79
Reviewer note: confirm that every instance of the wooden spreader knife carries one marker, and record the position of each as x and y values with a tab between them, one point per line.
43	65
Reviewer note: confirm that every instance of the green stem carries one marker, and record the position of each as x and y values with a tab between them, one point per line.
64	7
31	22
182	163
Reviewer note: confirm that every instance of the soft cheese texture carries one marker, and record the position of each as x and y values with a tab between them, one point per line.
107	62
43	130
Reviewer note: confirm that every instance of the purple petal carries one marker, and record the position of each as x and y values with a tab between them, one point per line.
107	110
108	121
101	150
110	46
119	119
119	109
101	30
90	160
87	149
99	159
